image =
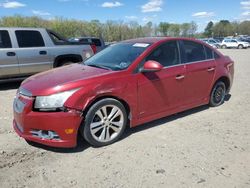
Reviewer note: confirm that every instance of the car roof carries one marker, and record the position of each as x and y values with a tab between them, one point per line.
87	38
154	39
21	28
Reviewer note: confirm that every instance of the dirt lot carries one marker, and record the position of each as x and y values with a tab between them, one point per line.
203	147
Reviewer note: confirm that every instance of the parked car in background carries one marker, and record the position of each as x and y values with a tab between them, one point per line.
234	43
244	39
212	42
126	84
97	42
219	39
25	51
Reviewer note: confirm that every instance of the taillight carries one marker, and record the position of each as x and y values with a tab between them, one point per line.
93	48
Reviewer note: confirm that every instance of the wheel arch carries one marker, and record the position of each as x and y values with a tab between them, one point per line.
226	81
98	98
71	57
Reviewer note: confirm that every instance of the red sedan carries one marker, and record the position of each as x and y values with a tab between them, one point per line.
128	83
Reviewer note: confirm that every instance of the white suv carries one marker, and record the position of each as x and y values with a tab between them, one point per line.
234	43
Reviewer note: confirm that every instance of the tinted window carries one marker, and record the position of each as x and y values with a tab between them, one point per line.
167	54
216	56
5	39
29	39
194	51
209	53
84	40
97	42
118	56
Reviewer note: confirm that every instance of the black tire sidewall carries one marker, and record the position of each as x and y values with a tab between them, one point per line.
216	85
85	130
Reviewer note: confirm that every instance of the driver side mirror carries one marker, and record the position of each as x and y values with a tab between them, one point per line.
151	66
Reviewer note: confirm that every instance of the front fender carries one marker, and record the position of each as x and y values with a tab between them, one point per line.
125	91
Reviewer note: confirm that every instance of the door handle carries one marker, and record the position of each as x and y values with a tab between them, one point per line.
42	52
210	69
11	53
179	77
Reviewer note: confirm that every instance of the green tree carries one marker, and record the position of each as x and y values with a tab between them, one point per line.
209	29
223	28
174	30
164	28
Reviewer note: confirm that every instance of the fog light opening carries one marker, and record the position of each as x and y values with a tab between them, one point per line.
44	134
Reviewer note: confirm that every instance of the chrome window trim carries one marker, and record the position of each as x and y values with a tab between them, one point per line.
199	61
193	62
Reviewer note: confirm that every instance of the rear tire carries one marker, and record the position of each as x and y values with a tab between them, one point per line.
218	94
223	46
104	122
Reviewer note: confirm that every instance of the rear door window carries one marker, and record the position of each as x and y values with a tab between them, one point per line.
194	51
5	39
28	39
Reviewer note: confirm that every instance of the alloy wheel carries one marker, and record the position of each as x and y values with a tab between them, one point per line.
107	123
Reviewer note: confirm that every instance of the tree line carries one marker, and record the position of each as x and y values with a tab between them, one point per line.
120	30
225	28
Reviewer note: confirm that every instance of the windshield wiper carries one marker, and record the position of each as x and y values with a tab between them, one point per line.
99	66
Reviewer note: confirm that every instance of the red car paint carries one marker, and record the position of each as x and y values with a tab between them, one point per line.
148	95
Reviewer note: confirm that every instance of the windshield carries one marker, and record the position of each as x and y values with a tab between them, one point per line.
118	56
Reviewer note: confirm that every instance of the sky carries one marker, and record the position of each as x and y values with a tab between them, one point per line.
142	11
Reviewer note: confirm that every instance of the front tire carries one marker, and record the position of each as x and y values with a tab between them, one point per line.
218	94
240	46
223	46
104	122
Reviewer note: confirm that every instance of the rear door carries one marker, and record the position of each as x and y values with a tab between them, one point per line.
8	59
164	90
200	71
32	54
233	43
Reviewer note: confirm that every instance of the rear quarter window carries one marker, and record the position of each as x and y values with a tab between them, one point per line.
27	39
216	56
209	53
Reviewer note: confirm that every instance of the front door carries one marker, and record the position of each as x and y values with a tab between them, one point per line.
162	91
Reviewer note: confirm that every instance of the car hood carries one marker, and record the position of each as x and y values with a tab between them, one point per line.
61	79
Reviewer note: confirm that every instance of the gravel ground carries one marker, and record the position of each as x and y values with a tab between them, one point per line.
202	147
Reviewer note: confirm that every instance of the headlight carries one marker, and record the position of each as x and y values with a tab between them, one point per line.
52	102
